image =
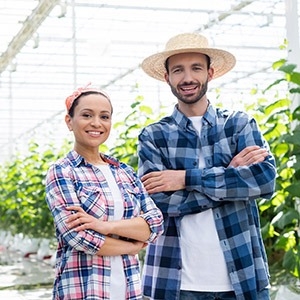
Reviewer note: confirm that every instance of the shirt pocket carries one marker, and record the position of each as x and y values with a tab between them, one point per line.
93	201
132	198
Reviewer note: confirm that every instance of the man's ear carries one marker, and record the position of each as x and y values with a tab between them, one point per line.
68	122
211	72
167	77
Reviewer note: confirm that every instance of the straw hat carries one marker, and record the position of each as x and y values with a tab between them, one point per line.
221	60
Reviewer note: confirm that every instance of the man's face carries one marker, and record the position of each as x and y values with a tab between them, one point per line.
188	76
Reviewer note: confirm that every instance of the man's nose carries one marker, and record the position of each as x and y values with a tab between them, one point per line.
187	76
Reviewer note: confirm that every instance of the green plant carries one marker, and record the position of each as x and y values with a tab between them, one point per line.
125	147
280	216
23	208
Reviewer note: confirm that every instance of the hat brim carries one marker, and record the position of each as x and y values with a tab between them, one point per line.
221	61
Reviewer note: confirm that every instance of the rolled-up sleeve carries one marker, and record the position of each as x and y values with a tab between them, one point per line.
154	218
150	212
60	193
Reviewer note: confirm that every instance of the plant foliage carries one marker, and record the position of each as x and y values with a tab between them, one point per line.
23	208
280	216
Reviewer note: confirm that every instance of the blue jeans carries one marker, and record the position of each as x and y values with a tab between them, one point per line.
190	295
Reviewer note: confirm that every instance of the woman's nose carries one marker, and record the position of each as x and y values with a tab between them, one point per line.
96	122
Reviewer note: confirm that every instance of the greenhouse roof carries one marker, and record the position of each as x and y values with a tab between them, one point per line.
50	47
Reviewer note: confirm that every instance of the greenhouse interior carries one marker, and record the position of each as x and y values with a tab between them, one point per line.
49	48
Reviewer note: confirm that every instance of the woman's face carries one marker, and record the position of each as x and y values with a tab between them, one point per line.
91	122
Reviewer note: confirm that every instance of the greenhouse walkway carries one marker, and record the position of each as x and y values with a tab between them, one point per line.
24	277
29	276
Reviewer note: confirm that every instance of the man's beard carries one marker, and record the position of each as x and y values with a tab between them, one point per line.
190	100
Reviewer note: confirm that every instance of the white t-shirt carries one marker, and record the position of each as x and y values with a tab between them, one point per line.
203	263
117	277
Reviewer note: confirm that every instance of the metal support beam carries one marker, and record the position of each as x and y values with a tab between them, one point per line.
292	31
292	34
225	15
30	26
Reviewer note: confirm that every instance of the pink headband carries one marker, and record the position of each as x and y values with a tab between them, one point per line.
82	90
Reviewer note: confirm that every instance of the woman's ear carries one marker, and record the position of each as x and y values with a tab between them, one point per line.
68	120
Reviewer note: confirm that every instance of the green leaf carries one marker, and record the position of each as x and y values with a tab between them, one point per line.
276	82
146	109
296	113
277	106
295	90
291	260
294	189
281	149
288	218
279	63
293	139
285	241
295	78
287	68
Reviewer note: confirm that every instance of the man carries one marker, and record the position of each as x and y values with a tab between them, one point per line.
205	168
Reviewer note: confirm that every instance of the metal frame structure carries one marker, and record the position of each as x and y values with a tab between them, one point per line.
49	47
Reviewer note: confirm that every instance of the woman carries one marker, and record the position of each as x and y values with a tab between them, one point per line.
103	216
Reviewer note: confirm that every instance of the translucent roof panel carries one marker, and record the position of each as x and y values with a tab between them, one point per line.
50	47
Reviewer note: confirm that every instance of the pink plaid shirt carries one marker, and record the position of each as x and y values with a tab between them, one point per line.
80	273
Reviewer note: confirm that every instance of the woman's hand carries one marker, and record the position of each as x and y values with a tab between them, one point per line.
135	228
81	220
137	246
113	247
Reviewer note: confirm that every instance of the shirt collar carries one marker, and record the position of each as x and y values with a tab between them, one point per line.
76	159
183	121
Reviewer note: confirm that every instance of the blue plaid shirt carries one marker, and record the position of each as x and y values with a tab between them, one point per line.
172	143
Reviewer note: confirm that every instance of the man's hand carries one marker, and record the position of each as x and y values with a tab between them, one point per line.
248	156
164	181
174	180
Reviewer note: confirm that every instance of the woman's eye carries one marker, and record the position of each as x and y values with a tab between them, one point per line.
86	115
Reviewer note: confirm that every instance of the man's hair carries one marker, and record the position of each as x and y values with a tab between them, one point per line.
167	62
